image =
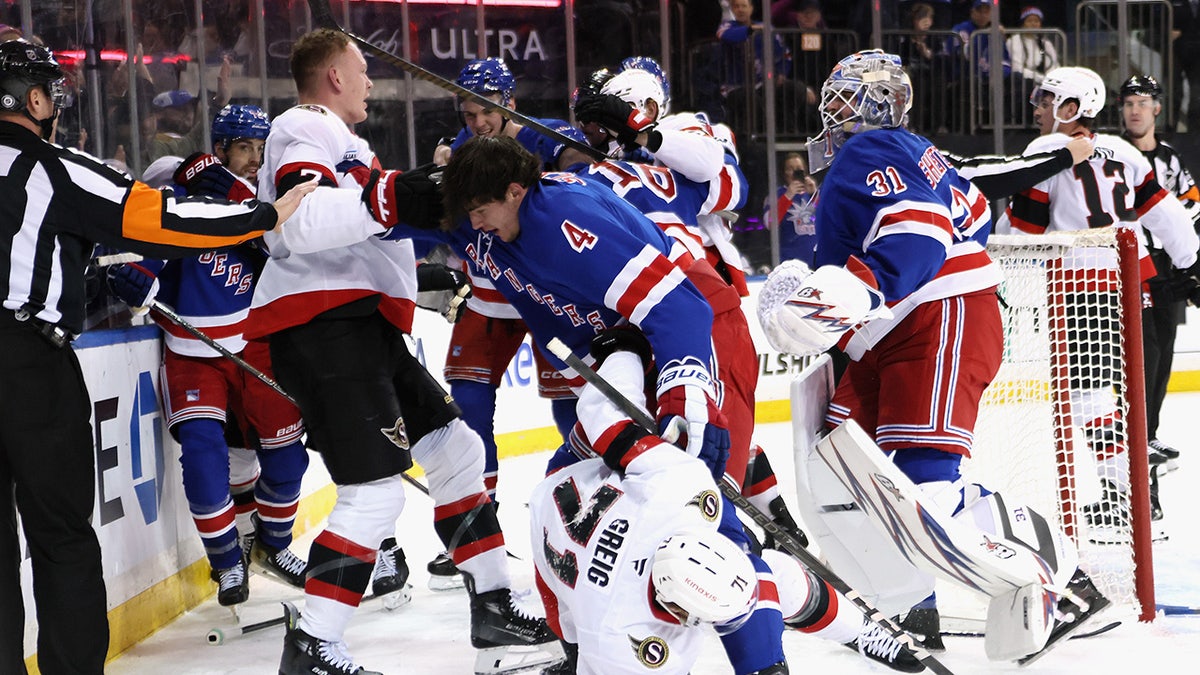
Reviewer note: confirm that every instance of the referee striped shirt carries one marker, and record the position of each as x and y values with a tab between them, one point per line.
56	203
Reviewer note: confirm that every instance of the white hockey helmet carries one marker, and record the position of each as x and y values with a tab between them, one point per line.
700	576
866	90
1072	82
635	87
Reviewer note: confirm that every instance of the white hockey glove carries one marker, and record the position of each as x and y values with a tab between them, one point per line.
804	312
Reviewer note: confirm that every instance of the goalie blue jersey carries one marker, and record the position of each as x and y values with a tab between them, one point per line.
892	200
586	260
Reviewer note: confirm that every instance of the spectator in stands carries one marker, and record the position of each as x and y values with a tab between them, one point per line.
973	36
1185	36
816	51
8	32
795	101
925	60
794	210
1032	53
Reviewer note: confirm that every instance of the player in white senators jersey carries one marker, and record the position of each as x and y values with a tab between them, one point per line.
1117	186
630	561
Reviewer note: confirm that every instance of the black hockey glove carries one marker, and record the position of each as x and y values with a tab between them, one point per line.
443	289
412	197
622	339
621	119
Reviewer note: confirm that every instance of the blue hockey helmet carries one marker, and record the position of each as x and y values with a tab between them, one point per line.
651	66
488	76
239	121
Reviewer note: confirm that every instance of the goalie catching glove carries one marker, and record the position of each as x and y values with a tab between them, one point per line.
804	312
443	289
411	197
611	112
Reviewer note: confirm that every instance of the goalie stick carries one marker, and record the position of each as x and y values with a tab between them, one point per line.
322	16
965	627
785	539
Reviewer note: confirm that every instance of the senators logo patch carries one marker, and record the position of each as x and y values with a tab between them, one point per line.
652	652
397	434
709	503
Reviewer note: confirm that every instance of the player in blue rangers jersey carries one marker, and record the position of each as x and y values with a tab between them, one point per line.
904	285
576	260
205	394
490	331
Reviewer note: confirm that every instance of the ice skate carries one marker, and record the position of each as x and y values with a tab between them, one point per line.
233	585
443	573
304	654
1077	607
389	580
279	564
509	639
876	644
924	625
1170	455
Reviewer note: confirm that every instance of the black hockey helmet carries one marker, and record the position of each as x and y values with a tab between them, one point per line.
24	65
1142	85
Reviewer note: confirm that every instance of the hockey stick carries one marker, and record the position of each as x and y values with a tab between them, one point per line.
783	537
116	259
219	635
322	16
201	336
966	631
241	363
1178	610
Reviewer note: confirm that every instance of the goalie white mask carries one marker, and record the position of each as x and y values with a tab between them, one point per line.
1070	82
635	87
700	576
866	90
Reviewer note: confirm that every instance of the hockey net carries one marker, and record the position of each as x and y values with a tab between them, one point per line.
1062	427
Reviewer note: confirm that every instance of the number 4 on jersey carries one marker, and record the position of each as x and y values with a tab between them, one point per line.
577	237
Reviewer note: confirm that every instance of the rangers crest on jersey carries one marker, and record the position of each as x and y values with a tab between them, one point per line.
397	434
652	651
709	504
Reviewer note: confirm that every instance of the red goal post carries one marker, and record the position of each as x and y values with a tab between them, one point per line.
1063	426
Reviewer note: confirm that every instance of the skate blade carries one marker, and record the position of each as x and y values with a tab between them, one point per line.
441	583
397	599
513	659
1100	605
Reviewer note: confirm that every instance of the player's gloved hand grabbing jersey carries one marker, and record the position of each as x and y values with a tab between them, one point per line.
203	174
135	285
689	417
609	111
411	197
443	289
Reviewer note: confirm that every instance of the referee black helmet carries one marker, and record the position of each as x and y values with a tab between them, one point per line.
24	65
1141	85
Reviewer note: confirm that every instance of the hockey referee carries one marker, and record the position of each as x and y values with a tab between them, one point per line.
55	204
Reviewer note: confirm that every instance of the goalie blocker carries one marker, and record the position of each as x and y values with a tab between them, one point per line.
886	536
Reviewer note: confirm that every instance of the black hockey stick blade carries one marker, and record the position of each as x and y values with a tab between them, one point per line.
323	16
783	537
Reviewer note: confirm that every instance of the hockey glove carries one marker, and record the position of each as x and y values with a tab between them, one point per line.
202	174
621	119
443	289
689	418
356	170
135	285
412	197
622	339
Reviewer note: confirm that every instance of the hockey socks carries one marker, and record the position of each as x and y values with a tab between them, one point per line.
205	462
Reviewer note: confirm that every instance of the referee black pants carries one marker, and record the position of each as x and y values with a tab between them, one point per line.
47	474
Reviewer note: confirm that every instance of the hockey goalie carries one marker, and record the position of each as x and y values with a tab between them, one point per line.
904	287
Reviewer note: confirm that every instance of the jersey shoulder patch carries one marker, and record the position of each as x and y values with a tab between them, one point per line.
313	108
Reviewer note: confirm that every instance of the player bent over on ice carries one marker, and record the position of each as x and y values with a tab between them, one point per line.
901	250
631	558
